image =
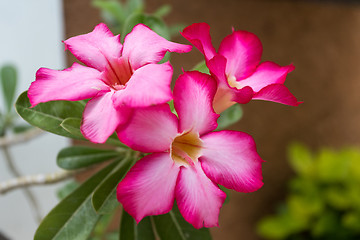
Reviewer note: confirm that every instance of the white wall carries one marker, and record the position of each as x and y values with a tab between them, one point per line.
30	37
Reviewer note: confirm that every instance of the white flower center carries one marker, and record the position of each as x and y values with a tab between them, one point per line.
186	148
232	81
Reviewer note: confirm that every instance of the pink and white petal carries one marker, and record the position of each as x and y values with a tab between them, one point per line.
243	53
198	198
143	46
266	73
75	83
149	85
96	48
193	96
100	118
149	186
229	158
277	93
150	129
199	35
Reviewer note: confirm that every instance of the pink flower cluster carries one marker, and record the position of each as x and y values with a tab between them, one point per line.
129	90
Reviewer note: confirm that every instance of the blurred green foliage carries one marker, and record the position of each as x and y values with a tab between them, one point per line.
122	16
323	201
8	83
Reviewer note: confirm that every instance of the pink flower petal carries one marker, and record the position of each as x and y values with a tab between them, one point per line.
199	35
277	93
148	188
149	85
243	95
217	68
267	73
143	46
198	198
73	84
96	48
150	129
193	97
100	118
229	158
243	53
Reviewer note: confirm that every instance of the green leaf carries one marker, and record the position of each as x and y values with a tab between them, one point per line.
21	128
68	188
173	226
351	220
76	157
74	217
135	6
102	227
325	223
2	125
230	116
301	160
104	198
201	67
276	227
331	166
114	9
130	230
8	83
162	11
175	29
155	23
49	116
72	125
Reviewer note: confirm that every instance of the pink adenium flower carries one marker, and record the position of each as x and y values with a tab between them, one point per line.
187	159
237	68
116	77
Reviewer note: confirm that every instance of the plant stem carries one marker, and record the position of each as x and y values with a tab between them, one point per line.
29	195
37	179
19	138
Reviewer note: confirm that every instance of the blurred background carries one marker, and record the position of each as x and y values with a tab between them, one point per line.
321	38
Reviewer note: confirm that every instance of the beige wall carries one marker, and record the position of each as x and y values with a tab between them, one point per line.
323	42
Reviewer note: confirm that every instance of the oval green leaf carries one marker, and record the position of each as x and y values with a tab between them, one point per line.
8	83
76	157
74	217
49	116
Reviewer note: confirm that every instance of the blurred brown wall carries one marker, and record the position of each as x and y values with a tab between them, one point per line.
323	42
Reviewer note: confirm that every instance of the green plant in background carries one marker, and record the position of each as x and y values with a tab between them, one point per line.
123	16
323	201
8	117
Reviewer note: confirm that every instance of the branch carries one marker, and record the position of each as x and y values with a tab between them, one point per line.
21	137
38	179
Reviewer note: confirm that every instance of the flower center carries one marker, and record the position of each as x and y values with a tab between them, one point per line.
186	148
232	81
117	73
